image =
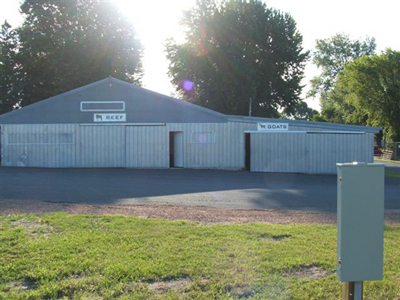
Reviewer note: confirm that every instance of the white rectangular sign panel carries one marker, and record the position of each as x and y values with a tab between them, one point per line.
109	117
273	126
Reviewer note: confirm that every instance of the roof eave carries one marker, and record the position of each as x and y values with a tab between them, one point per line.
310	124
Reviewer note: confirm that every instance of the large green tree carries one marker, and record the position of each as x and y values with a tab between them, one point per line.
331	56
239	52
66	44
370	86
9	69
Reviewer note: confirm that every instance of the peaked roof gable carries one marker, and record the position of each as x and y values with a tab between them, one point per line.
135	105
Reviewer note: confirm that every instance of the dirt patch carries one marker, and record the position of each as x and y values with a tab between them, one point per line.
278	238
309	271
168	285
21	286
275	238
76	279
34	227
241	291
173	212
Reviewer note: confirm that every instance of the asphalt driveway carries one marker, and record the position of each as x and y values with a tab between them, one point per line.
215	188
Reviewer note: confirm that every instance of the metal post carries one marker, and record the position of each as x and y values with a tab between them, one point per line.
358	290
250	104
348	291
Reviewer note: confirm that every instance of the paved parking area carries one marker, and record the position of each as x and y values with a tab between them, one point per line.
214	188
390	166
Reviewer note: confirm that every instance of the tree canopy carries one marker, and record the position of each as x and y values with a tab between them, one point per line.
239	52
301	111
370	87
9	69
331	56
62	45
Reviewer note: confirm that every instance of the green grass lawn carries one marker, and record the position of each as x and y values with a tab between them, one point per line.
62	256
392	174
388	173
392	161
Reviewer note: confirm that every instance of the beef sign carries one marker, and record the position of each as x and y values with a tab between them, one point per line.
109	117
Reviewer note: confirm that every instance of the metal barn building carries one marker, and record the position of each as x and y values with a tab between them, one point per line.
112	124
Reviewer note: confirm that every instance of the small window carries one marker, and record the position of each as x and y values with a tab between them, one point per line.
102	106
203	137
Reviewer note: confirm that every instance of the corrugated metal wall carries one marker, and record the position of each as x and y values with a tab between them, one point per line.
141	146
308	152
101	146
206	145
51	146
302	128
325	150
274	152
226	152
147	147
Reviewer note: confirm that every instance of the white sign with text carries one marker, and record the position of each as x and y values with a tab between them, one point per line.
273	126
109	117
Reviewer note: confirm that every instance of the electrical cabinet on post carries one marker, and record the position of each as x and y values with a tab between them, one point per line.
360	219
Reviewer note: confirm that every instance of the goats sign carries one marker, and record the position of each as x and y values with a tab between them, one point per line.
273	126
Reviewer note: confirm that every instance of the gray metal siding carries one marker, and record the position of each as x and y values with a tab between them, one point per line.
101	146
147	147
45	146
302	128
226	153
328	149
307	125
70	145
308	153
279	152
125	146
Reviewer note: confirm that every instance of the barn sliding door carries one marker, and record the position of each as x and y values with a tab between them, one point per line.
102	146
146	147
308	152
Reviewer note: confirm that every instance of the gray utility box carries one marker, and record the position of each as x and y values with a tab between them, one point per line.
360	218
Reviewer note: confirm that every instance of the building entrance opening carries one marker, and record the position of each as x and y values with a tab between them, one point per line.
176	149
247	151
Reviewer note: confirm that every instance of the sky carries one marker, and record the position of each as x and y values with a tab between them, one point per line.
157	20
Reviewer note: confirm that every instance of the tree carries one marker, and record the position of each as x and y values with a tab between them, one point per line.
331	56
8	68
238	52
300	111
371	86
66	44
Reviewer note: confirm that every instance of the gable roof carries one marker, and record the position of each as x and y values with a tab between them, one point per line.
140	106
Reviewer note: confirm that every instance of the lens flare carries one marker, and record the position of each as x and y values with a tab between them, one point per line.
202	138
188	85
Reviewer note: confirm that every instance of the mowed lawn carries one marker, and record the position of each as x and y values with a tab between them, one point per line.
63	256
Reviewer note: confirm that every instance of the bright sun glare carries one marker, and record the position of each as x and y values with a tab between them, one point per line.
154	22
